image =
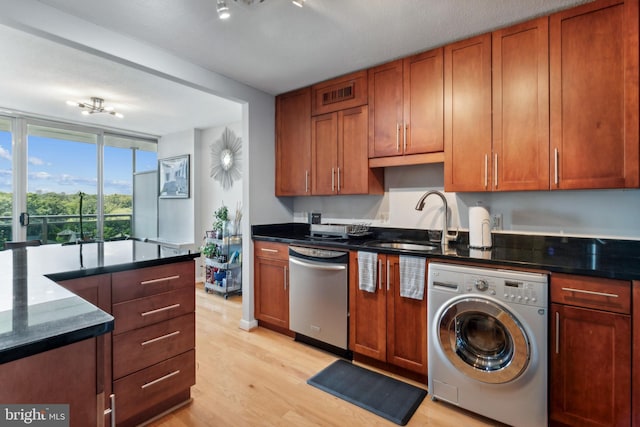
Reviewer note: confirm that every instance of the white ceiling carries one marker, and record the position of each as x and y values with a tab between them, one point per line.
272	46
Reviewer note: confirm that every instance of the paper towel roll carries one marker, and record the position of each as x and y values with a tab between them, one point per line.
479	228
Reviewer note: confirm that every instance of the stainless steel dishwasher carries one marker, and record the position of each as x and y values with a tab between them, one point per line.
318	297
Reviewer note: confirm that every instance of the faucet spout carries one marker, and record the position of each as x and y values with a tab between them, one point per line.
446	237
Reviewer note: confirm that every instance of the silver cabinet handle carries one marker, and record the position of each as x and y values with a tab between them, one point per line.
584	291
158	310
380	274
397	136
156	381
333	179
388	275
163	337
285	278
338	180
486	170
112	410
275	251
557	333
556	156
404	145
306	181
162	279
495	171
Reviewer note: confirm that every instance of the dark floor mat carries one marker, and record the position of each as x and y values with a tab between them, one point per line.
380	394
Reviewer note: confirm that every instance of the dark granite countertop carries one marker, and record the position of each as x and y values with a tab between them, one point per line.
609	258
37	315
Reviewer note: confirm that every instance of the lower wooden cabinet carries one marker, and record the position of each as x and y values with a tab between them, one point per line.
590	352
383	325
271	284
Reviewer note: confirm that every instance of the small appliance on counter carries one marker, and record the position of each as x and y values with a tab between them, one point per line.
479	228
338	231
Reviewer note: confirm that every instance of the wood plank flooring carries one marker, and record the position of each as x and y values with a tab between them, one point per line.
258	378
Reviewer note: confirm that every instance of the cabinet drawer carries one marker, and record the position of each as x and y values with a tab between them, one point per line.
144	389
146	311
591	292
128	285
137	349
271	250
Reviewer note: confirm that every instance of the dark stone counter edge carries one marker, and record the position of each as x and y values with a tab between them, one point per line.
51	343
629	270
100	328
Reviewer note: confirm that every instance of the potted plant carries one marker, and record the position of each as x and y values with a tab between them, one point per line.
221	218
210	250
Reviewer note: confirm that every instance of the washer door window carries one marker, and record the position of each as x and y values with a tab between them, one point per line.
483	340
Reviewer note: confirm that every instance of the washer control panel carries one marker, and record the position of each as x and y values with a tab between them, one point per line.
509	286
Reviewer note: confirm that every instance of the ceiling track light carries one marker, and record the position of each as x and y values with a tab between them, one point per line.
95	107
298	3
223	9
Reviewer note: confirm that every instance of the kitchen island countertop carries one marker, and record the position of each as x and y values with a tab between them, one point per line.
37	314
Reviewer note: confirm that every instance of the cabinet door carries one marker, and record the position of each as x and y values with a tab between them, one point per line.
590	367
385	110
521	107
467	114
324	154
293	143
354	175
406	324
272	291
423	87
594	96
367	314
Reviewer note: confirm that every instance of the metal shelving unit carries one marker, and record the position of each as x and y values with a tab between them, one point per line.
223	275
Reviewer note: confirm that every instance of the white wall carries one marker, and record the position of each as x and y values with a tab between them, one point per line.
176	221
601	213
211	195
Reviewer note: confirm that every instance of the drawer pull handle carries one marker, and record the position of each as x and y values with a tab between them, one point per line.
582	291
275	251
158	310
112	411
162	279
151	341
156	381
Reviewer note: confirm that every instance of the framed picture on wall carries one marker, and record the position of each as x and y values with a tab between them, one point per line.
173	177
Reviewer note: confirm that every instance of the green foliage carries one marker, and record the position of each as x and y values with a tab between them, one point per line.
221	216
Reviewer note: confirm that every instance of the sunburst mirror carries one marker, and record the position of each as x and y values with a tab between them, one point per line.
225	158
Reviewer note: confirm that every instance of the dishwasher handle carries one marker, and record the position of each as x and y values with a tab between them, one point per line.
331	267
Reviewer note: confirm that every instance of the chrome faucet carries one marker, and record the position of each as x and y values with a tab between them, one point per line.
446	237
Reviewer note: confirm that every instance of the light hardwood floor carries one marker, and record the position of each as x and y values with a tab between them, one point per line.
258	378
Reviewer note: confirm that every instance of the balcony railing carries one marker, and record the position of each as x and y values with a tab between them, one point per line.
66	228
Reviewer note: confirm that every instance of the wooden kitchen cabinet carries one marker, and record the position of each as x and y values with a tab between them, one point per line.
594	96
590	352
467	114
339	154
153	340
385	326
341	93
406	109
271	285
635	351
520	142
293	143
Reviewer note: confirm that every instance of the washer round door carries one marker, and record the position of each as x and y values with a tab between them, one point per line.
483	339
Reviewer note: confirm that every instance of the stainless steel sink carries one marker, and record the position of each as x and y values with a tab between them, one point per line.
423	247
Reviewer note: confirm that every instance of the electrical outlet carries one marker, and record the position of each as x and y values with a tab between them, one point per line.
496	221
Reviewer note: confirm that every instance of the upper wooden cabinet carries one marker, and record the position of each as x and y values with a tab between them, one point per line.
594	96
467	114
339	154
339	94
520	81
293	143
406	107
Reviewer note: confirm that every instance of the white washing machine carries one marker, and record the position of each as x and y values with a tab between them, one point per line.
487	342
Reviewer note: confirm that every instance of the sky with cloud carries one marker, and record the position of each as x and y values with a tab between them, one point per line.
69	167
